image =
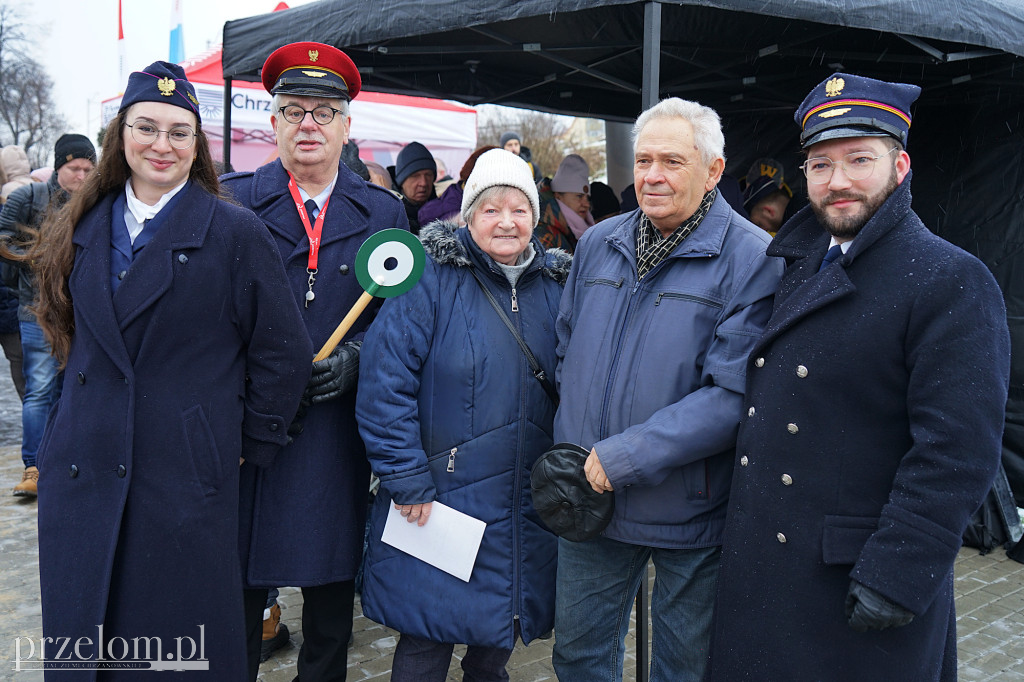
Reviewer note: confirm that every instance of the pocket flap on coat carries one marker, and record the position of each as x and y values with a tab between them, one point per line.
844	537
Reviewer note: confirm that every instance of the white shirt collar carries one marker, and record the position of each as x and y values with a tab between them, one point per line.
143	212
845	246
321	198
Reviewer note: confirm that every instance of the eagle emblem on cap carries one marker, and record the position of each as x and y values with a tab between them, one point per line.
314	55
166	86
834	86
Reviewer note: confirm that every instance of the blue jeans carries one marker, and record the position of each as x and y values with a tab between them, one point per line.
421	660
597	583
42	388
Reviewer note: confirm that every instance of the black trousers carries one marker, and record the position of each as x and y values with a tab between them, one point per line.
326	630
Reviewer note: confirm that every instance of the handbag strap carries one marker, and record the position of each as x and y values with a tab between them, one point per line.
538	371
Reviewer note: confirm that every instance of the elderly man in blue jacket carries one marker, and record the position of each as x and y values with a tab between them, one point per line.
661	308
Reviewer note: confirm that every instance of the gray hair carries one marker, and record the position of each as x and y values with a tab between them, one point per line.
495	193
336	102
707	126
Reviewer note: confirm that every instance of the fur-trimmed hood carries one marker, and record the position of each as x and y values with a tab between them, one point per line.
441	243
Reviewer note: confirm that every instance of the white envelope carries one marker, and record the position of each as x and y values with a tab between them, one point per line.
449	540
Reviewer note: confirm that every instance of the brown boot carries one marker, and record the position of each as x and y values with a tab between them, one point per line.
275	633
29	483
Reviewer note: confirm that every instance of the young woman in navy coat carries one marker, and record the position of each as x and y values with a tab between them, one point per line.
450	411
183	352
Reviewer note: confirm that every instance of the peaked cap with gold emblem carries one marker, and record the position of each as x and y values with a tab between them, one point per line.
161	82
311	70
846	105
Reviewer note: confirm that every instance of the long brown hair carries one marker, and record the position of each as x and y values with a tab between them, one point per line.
52	254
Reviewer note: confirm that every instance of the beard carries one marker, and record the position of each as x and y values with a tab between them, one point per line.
847	226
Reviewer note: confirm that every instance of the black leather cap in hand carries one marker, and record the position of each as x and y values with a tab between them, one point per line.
564	499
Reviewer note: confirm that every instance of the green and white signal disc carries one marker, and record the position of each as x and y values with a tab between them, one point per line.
390	263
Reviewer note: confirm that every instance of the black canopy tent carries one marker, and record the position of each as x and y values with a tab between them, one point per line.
752	60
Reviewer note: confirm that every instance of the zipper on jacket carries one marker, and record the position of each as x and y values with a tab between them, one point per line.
515	301
525	382
617	353
687	297
451	460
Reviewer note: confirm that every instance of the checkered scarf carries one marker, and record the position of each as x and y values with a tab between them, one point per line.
652	248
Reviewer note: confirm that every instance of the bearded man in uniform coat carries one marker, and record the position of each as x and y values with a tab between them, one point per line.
872	423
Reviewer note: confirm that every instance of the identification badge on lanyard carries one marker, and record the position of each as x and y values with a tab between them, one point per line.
313	233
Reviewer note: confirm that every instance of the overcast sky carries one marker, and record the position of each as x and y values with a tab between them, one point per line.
76	41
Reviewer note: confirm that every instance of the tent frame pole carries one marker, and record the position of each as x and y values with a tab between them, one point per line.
226	147
651	90
649	95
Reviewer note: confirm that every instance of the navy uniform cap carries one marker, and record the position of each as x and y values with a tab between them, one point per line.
311	70
846	105
764	177
161	82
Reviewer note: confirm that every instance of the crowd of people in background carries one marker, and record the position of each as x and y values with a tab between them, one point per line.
683	339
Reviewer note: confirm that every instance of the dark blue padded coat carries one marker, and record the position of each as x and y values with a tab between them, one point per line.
450	411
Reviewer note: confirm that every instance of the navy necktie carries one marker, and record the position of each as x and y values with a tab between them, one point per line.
830	257
139	243
311	207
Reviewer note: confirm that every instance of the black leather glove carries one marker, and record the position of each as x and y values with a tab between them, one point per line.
335	375
868	610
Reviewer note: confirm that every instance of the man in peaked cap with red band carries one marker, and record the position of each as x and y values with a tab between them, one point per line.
873	419
302	518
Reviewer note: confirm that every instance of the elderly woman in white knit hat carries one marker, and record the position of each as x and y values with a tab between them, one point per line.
565	205
452	413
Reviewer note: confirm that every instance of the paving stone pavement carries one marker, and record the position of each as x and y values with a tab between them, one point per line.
989	589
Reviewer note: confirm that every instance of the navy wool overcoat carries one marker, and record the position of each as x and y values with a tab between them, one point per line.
871	431
197	359
303	517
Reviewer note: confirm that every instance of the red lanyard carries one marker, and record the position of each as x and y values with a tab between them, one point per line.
313	233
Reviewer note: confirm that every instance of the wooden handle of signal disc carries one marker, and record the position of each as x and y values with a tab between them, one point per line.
345	325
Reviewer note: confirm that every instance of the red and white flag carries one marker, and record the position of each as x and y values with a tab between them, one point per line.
122	75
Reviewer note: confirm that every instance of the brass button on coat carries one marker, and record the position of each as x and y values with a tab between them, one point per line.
780	537
787	479
792	428
751	412
801	371
744	461
759	362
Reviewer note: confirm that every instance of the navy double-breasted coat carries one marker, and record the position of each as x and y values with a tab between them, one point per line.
871	431
198	358
303	517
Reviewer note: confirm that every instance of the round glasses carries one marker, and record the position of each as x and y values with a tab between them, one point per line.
856	166
322	114
179	137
